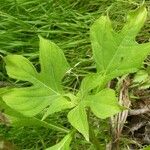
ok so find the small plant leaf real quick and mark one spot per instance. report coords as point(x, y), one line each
point(117, 53)
point(17, 119)
point(18, 67)
point(53, 64)
point(140, 77)
point(104, 104)
point(90, 82)
point(58, 105)
point(78, 119)
point(141, 80)
point(64, 144)
point(46, 86)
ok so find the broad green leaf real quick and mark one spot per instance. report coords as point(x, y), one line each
point(53, 64)
point(46, 86)
point(58, 105)
point(104, 104)
point(20, 68)
point(117, 53)
point(34, 122)
point(90, 82)
point(78, 119)
point(17, 119)
point(64, 144)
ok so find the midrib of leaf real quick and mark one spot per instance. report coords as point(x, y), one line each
point(116, 52)
point(103, 53)
point(31, 120)
point(54, 76)
point(63, 143)
point(49, 88)
point(81, 114)
point(49, 125)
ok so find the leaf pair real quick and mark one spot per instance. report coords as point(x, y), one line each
point(103, 104)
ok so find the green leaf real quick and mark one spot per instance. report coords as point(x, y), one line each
point(17, 119)
point(32, 121)
point(146, 148)
point(78, 119)
point(90, 82)
point(140, 77)
point(148, 69)
point(4, 90)
point(20, 68)
point(64, 144)
point(46, 86)
point(58, 105)
point(104, 104)
point(141, 80)
point(145, 85)
point(117, 53)
point(53, 64)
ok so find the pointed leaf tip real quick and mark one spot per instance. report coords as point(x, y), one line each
point(78, 119)
point(64, 144)
point(46, 85)
point(117, 53)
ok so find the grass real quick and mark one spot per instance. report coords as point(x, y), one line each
point(66, 22)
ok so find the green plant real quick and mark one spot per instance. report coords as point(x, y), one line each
point(115, 54)
point(146, 148)
point(142, 79)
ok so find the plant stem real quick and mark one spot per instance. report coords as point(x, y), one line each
point(93, 138)
point(52, 126)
